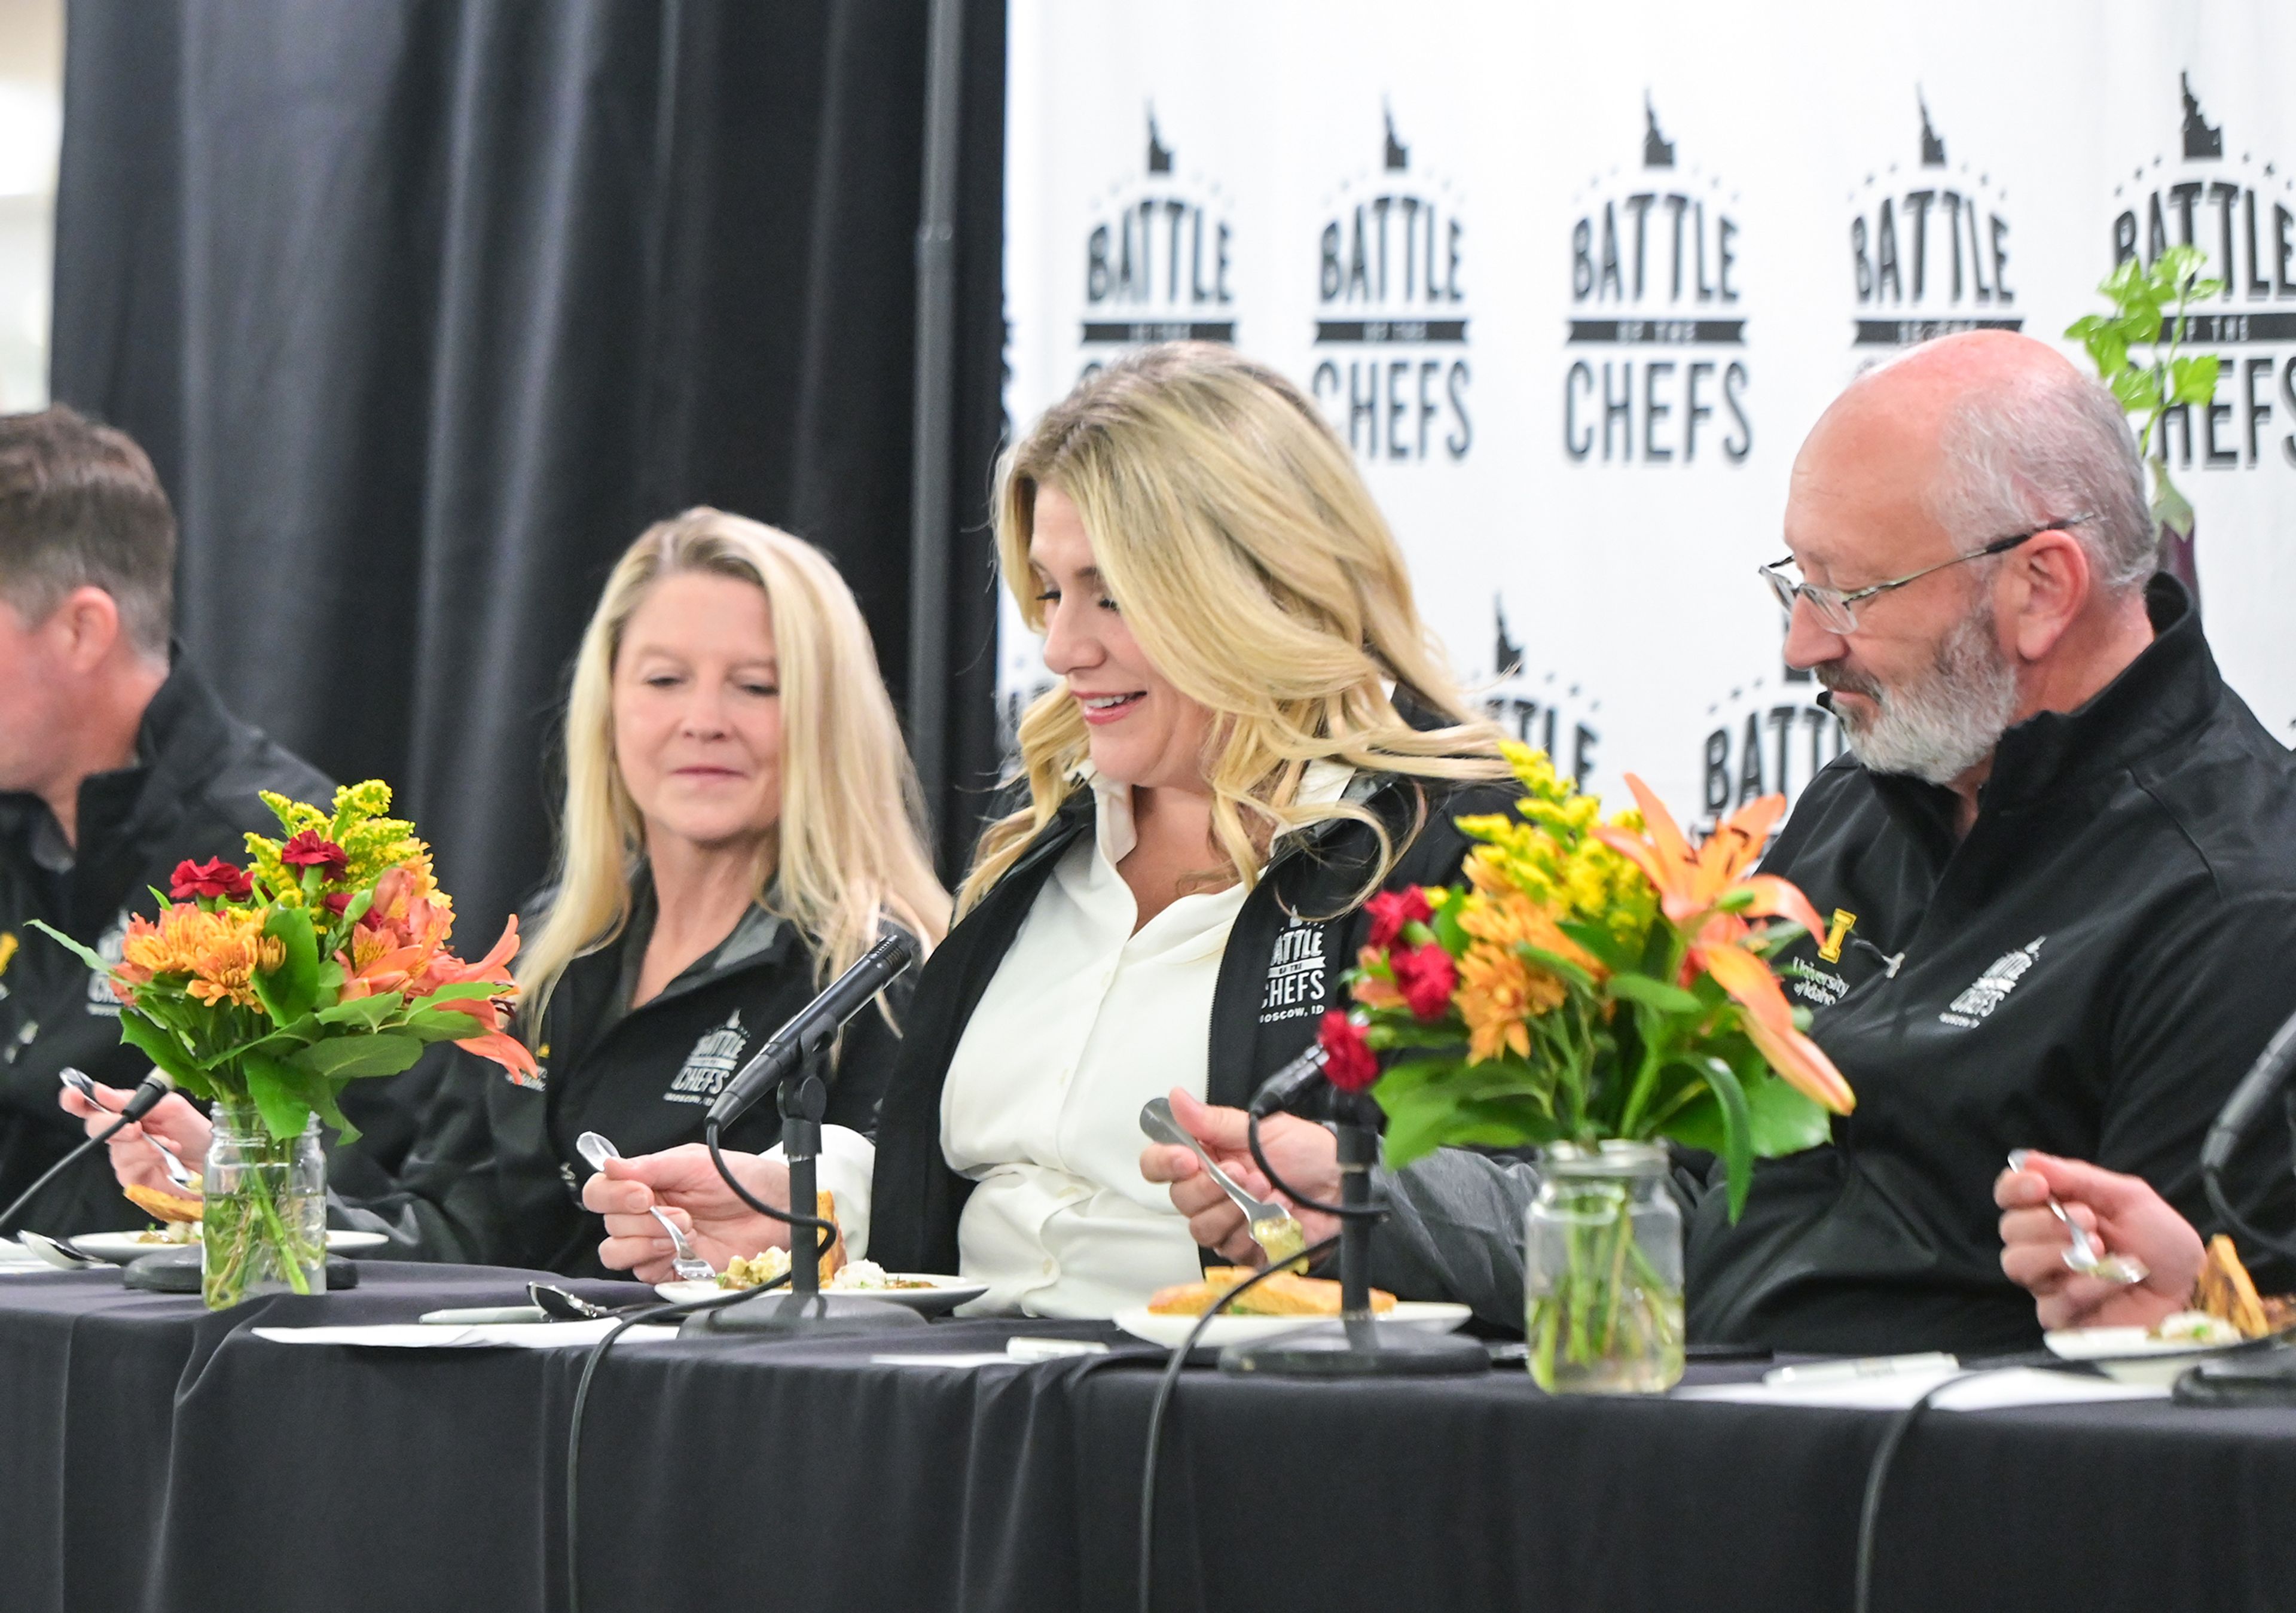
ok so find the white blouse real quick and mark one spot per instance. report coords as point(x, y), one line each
point(1083, 1022)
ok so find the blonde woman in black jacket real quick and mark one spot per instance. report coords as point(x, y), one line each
point(1249, 733)
point(739, 824)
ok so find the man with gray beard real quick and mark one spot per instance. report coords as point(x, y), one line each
point(2058, 865)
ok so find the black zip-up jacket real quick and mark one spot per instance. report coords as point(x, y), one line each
point(1297, 932)
point(2088, 972)
point(191, 793)
point(493, 1177)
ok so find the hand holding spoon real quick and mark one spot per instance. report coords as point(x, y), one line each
point(2084, 1257)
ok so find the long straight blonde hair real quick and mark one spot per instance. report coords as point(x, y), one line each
point(1253, 567)
point(849, 843)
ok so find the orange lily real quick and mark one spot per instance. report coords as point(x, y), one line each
point(1691, 885)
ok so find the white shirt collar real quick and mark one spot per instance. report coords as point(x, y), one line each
point(1322, 784)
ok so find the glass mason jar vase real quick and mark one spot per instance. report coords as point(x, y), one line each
point(1602, 1272)
point(264, 1227)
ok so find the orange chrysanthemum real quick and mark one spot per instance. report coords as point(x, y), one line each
point(1498, 993)
point(219, 952)
point(1507, 916)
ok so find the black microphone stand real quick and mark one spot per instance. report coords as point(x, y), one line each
point(804, 1309)
point(1356, 1344)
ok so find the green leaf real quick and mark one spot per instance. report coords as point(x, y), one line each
point(1737, 1131)
point(1655, 993)
point(444, 1025)
point(349, 1058)
point(1600, 943)
point(1782, 1119)
point(466, 991)
point(289, 991)
point(1553, 963)
point(273, 1088)
point(163, 1049)
point(84, 954)
point(1448, 936)
point(364, 1013)
point(2193, 379)
point(2137, 391)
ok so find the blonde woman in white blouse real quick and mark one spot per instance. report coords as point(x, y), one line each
point(1251, 732)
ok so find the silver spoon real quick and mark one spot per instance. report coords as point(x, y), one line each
point(690, 1267)
point(562, 1304)
point(56, 1255)
point(2084, 1257)
point(1273, 1227)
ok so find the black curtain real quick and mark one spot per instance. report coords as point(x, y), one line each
point(424, 308)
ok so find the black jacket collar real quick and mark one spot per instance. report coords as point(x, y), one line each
point(183, 736)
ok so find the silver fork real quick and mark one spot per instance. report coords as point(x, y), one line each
point(690, 1267)
point(2085, 1257)
point(1273, 1227)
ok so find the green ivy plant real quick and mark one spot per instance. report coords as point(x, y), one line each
point(2148, 311)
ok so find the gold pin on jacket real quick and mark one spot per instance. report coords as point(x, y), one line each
point(1837, 933)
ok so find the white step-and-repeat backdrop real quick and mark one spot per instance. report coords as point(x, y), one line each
point(1574, 283)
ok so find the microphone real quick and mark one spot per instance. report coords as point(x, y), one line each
point(2264, 1078)
point(147, 1095)
point(811, 1028)
point(1289, 1085)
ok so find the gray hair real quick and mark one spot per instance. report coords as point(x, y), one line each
point(80, 507)
point(2049, 446)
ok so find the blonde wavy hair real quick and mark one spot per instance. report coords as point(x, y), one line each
point(849, 846)
point(1252, 566)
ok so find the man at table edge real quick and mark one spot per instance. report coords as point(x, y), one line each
point(2022, 709)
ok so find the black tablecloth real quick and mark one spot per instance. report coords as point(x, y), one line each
point(153, 1456)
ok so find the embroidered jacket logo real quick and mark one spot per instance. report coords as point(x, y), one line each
point(715, 1057)
point(1993, 986)
point(1295, 973)
point(111, 946)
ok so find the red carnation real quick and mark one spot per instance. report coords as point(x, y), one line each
point(213, 877)
point(311, 850)
point(1348, 1062)
point(336, 901)
point(1426, 976)
point(1390, 910)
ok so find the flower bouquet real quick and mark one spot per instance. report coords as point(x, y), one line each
point(269, 988)
point(1592, 988)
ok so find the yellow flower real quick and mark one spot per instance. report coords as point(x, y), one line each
point(1498, 993)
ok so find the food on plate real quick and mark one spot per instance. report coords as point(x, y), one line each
point(861, 1275)
point(175, 1233)
point(167, 1206)
point(754, 1271)
point(758, 1268)
point(1286, 1294)
point(2227, 1293)
point(2196, 1328)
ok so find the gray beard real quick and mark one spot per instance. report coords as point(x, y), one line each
point(1942, 725)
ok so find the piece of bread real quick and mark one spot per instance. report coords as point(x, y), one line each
point(2226, 1290)
point(1286, 1294)
point(824, 1204)
point(164, 1206)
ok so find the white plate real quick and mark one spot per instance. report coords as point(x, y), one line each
point(121, 1247)
point(2159, 1362)
point(1427, 1316)
point(945, 1294)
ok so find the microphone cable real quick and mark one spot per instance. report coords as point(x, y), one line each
point(1370, 1212)
point(597, 1356)
point(146, 1097)
point(1877, 1471)
point(825, 1231)
point(1169, 1382)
